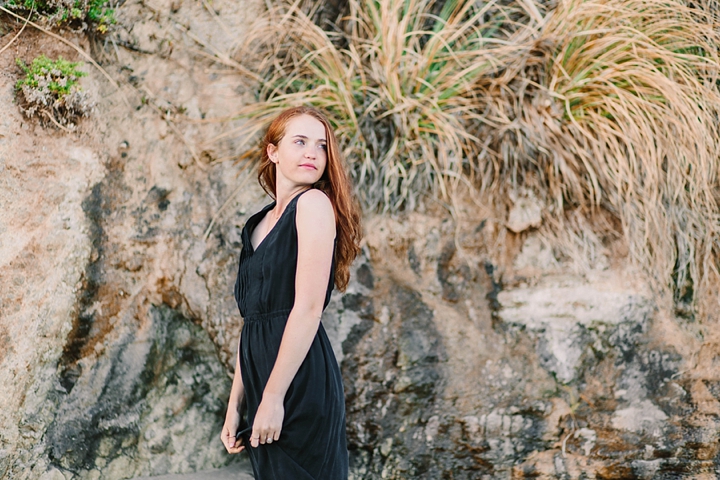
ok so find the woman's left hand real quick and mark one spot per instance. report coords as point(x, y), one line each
point(268, 421)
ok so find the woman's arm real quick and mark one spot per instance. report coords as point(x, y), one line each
point(232, 417)
point(315, 221)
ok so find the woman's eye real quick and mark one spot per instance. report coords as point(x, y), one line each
point(300, 141)
point(323, 147)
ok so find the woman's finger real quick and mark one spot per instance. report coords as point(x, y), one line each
point(236, 449)
point(264, 436)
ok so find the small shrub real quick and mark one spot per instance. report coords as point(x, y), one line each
point(84, 13)
point(50, 90)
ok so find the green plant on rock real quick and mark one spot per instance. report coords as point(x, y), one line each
point(51, 90)
point(96, 13)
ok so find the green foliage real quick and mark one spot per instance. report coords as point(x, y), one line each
point(95, 12)
point(60, 76)
point(50, 90)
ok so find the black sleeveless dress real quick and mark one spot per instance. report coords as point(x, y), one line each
point(312, 444)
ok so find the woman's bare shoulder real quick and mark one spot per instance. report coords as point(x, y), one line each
point(316, 201)
point(315, 211)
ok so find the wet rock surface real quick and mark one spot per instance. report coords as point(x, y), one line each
point(433, 391)
point(156, 395)
point(570, 377)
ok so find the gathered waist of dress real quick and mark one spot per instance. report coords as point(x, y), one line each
point(265, 316)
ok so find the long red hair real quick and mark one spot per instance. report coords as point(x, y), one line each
point(335, 183)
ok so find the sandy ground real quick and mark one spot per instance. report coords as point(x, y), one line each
point(238, 471)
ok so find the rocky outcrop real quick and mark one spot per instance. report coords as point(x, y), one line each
point(45, 245)
point(571, 318)
point(116, 318)
point(153, 403)
point(118, 251)
point(557, 376)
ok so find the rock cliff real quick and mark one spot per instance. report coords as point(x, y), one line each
point(559, 375)
point(118, 327)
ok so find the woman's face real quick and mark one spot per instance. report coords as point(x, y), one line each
point(301, 155)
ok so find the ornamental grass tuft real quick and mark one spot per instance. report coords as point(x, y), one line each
point(599, 109)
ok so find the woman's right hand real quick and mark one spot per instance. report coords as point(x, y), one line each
point(232, 417)
point(229, 430)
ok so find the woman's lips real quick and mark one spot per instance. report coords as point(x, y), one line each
point(308, 165)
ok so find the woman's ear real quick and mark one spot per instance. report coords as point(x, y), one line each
point(272, 152)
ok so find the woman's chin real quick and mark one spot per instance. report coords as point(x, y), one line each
point(308, 179)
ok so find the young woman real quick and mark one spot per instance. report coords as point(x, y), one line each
point(294, 251)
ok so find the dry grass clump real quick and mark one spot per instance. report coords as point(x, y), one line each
point(632, 127)
point(401, 81)
point(592, 105)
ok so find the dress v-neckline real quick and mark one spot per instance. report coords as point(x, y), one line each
point(274, 227)
point(262, 242)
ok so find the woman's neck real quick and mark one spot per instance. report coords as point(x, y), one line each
point(283, 196)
